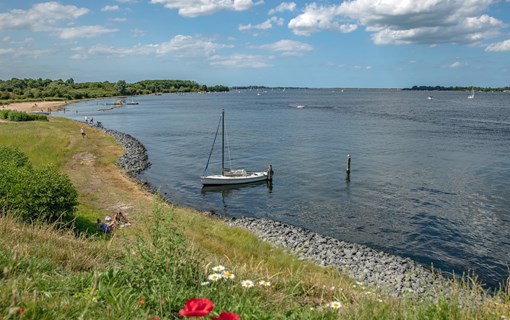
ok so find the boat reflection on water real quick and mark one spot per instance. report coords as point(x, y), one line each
point(227, 189)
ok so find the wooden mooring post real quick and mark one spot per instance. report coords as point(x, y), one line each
point(270, 173)
point(348, 168)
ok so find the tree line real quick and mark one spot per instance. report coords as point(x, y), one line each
point(47, 89)
point(457, 88)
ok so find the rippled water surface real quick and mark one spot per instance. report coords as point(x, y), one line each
point(430, 179)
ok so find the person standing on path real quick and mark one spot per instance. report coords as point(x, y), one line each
point(83, 133)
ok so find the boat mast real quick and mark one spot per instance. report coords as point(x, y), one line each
point(222, 142)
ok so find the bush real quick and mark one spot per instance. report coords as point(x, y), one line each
point(35, 194)
point(13, 115)
point(13, 157)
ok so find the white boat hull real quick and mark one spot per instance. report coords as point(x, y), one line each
point(219, 179)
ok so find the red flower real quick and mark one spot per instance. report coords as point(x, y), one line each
point(227, 316)
point(197, 307)
point(141, 302)
point(21, 310)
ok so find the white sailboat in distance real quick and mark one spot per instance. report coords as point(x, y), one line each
point(229, 176)
point(472, 95)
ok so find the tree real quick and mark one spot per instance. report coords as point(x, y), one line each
point(121, 86)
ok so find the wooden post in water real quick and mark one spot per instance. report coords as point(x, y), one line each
point(270, 173)
point(348, 168)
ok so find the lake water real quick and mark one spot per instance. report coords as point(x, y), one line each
point(430, 179)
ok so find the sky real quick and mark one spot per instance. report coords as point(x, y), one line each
point(318, 44)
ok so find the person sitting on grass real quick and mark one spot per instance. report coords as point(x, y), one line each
point(105, 227)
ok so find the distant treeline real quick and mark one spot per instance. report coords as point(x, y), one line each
point(441, 88)
point(46, 89)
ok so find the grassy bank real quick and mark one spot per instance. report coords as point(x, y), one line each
point(151, 268)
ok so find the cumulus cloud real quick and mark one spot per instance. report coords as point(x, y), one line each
point(455, 65)
point(110, 8)
point(426, 22)
point(288, 47)
point(317, 18)
point(499, 46)
point(268, 24)
point(23, 52)
point(284, 6)
point(195, 8)
point(83, 32)
point(41, 17)
point(179, 46)
point(240, 61)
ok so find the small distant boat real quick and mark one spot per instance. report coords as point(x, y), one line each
point(429, 98)
point(229, 176)
point(132, 102)
point(472, 95)
point(300, 107)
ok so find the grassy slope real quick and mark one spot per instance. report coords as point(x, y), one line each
point(103, 189)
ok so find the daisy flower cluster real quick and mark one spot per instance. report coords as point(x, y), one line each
point(221, 273)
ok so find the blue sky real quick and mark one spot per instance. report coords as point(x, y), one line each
point(357, 43)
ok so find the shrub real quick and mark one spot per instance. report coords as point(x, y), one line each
point(13, 115)
point(13, 156)
point(35, 194)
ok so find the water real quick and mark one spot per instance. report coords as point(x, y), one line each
point(430, 179)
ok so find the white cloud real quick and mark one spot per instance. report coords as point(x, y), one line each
point(288, 47)
point(23, 52)
point(240, 61)
point(179, 46)
point(83, 32)
point(137, 33)
point(41, 17)
point(284, 6)
point(455, 65)
point(317, 18)
point(499, 46)
point(195, 8)
point(425, 22)
point(268, 24)
point(110, 8)
point(118, 19)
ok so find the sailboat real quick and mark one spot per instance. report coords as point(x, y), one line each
point(472, 95)
point(229, 176)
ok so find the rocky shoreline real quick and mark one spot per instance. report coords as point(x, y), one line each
point(135, 158)
point(396, 275)
point(393, 274)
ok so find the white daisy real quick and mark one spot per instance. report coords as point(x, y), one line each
point(335, 304)
point(218, 268)
point(214, 277)
point(264, 283)
point(247, 283)
point(228, 275)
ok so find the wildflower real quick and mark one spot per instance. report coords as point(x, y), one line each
point(196, 307)
point(218, 268)
point(141, 302)
point(204, 283)
point(247, 283)
point(335, 304)
point(214, 277)
point(228, 275)
point(227, 316)
point(264, 283)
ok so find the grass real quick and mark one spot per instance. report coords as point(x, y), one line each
point(151, 268)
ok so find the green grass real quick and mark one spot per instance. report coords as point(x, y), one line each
point(165, 257)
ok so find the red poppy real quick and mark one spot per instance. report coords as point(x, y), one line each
point(141, 302)
point(227, 316)
point(21, 310)
point(197, 307)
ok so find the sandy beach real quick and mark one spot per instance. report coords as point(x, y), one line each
point(38, 106)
